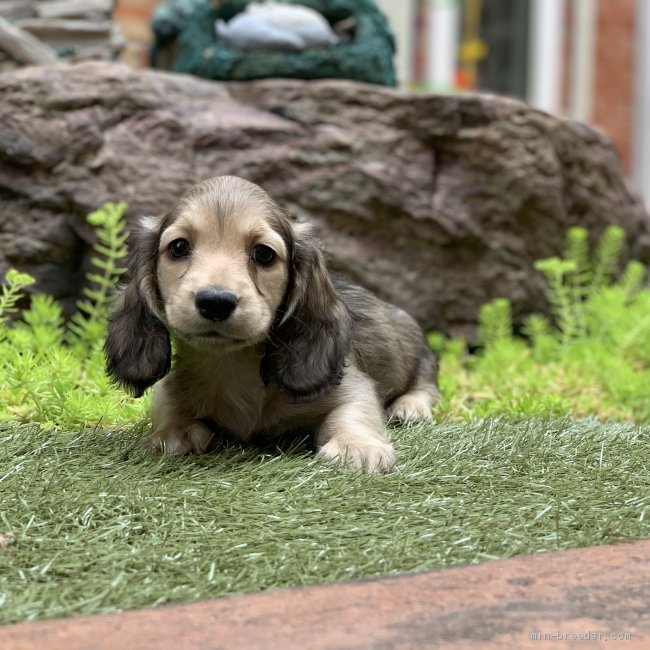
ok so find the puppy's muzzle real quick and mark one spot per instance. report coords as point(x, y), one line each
point(216, 303)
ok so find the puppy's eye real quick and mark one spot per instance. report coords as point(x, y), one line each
point(263, 255)
point(179, 248)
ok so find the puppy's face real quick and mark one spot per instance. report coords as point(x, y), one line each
point(222, 266)
point(225, 270)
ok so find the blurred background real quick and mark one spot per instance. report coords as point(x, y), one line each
point(584, 59)
point(587, 60)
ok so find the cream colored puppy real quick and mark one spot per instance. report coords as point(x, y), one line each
point(267, 341)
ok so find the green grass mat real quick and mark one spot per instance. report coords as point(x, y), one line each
point(101, 525)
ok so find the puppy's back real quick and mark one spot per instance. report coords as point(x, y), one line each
point(388, 344)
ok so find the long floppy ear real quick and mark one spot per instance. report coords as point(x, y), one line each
point(138, 350)
point(308, 345)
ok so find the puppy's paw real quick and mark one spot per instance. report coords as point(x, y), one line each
point(410, 407)
point(364, 453)
point(193, 438)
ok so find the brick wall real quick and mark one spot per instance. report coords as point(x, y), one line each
point(134, 18)
point(614, 73)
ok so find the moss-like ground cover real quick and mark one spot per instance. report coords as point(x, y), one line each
point(540, 443)
point(101, 525)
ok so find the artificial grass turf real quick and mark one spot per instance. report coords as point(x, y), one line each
point(102, 525)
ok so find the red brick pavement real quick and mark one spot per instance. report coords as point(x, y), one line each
point(589, 598)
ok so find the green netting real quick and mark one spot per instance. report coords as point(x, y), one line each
point(190, 23)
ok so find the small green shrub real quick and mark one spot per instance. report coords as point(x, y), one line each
point(12, 290)
point(87, 327)
point(52, 374)
point(592, 358)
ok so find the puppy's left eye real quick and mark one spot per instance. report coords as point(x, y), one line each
point(179, 248)
point(263, 255)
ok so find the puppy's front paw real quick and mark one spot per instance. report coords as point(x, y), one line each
point(193, 438)
point(410, 407)
point(360, 453)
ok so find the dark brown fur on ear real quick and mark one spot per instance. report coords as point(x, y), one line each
point(138, 349)
point(307, 348)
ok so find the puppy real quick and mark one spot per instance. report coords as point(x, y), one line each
point(266, 340)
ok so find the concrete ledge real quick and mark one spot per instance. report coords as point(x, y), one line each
point(596, 597)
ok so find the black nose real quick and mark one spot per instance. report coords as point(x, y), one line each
point(216, 303)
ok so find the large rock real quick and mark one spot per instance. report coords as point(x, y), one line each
point(437, 203)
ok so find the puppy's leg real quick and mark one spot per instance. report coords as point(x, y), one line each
point(353, 431)
point(173, 432)
point(416, 403)
point(414, 406)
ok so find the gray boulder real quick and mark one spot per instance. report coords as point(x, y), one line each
point(436, 203)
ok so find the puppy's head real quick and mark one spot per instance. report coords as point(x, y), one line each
point(225, 270)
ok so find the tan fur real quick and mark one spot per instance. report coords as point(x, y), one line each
point(222, 227)
point(299, 352)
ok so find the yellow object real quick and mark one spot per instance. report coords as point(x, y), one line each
point(472, 49)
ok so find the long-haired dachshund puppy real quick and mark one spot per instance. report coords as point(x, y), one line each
point(266, 340)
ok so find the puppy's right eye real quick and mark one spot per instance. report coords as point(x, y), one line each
point(179, 248)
